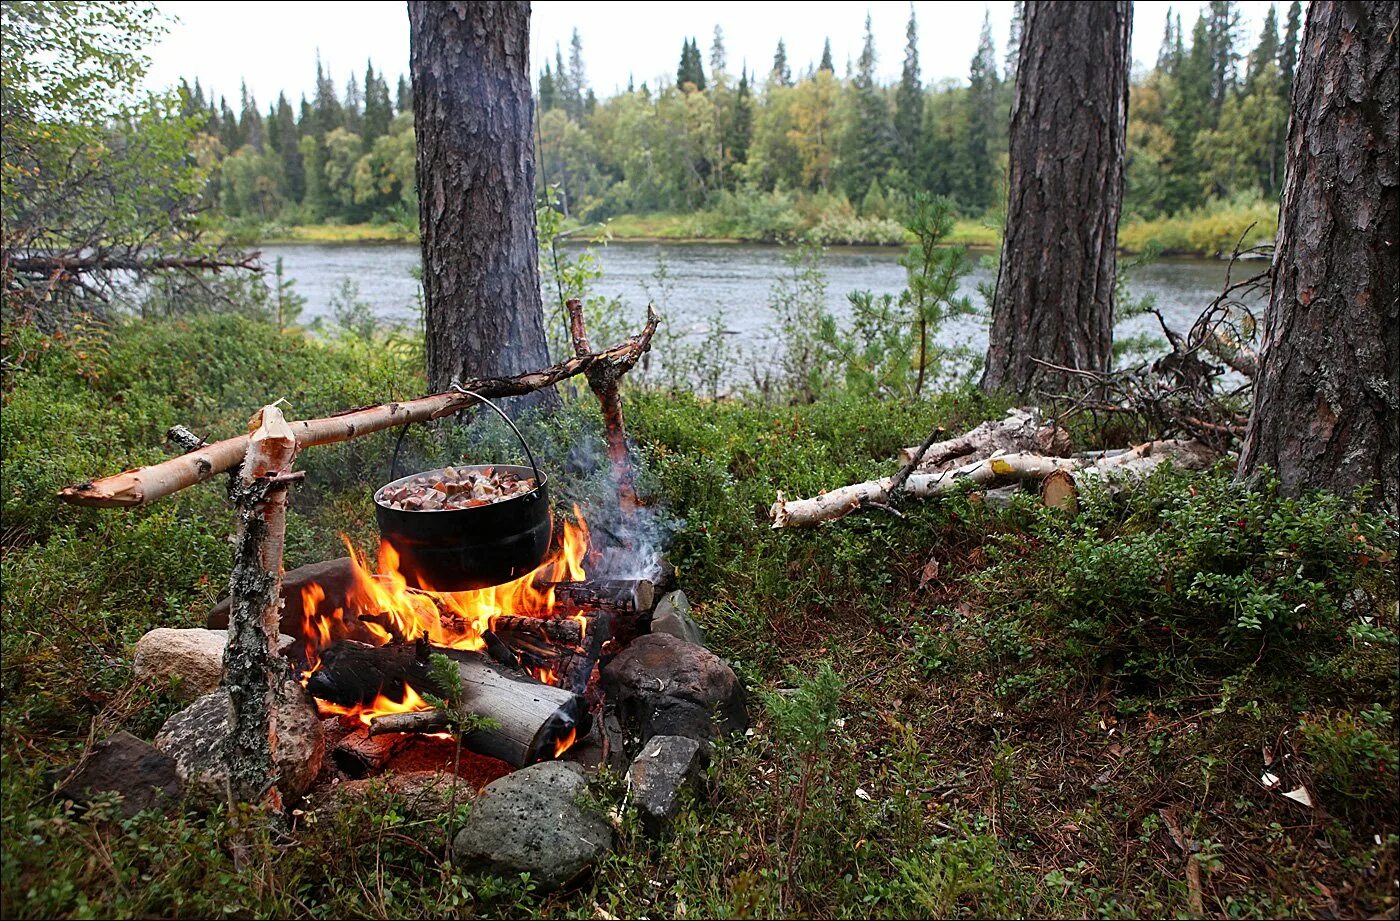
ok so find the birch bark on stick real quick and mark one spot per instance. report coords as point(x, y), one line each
point(146, 484)
point(251, 663)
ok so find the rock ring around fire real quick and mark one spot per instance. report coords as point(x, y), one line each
point(532, 822)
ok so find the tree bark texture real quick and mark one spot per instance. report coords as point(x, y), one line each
point(1054, 295)
point(1326, 396)
point(476, 186)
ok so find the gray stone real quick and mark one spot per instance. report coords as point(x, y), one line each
point(662, 685)
point(666, 766)
point(531, 822)
point(191, 660)
point(145, 777)
point(195, 736)
point(672, 616)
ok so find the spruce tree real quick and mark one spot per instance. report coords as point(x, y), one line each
point(983, 122)
point(562, 90)
point(354, 106)
point(909, 98)
point(578, 80)
point(250, 124)
point(1264, 58)
point(741, 122)
point(404, 96)
point(548, 93)
point(1013, 38)
point(379, 111)
point(826, 64)
point(781, 73)
point(718, 64)
point(326, 104)
point(1223, 23)
point(229, 134)
point(1287, 52)
point(1166, 55)
point(869, 137)
point(289, 149)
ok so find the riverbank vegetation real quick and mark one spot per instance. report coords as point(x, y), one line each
point(788, 154)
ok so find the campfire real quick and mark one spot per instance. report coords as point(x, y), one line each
point(527, 652)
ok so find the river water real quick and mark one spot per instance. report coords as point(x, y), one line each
point(696, 285)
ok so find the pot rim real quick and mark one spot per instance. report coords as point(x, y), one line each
point(540, 477)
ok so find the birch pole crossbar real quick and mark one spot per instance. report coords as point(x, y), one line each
point(147, 484)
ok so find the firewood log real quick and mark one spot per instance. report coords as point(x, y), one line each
point(1019, 433)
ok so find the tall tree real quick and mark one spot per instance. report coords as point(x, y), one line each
point(403, 97)
point(1054, 294)
point(1288, 51)
point(826, 64)
point(781, 73)
point(289, 149)
point(548, 96)
point(982, 123)
point(379, 111)
point(476, 178)
point(354, 105)
point(326, 104)
point(250, 123)
point(740, 132)
point(1013, 38)
point(1328, 387)
point(719, 62)
point(909, 97)
point(578, 79)
point(869, 138)
point(1221, 27)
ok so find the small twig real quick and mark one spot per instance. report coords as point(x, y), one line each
point(897, 483)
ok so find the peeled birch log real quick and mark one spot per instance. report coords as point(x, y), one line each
point(1069, 475)
point(1019, 433)
point(146, 484)
point(801, 513)
point(1121, 470)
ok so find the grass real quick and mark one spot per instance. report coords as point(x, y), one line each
point(1029, 711)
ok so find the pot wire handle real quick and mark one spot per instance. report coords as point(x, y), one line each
point(500, 412)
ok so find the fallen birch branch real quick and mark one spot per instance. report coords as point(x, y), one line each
point(1019, 433)
point(1071, 473)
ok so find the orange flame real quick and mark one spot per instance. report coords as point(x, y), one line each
point(387, 609)
point(380, 706)
point(566, 743)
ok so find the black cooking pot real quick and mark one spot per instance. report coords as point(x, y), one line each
point(456, 550)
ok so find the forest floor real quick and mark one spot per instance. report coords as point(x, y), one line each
point(1035, 715)
point(1209, 233)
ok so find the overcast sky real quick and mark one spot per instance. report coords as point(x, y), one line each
point(274, 45)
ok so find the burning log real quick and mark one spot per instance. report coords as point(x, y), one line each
point(363, 752)
point(622, 596)
point(1121, 469)
point(146, 484)
point(427, 721)
point(532, 719)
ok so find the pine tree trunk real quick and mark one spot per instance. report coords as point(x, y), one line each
point(476, 180)
point(1326, 397)
point(1054, 295)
